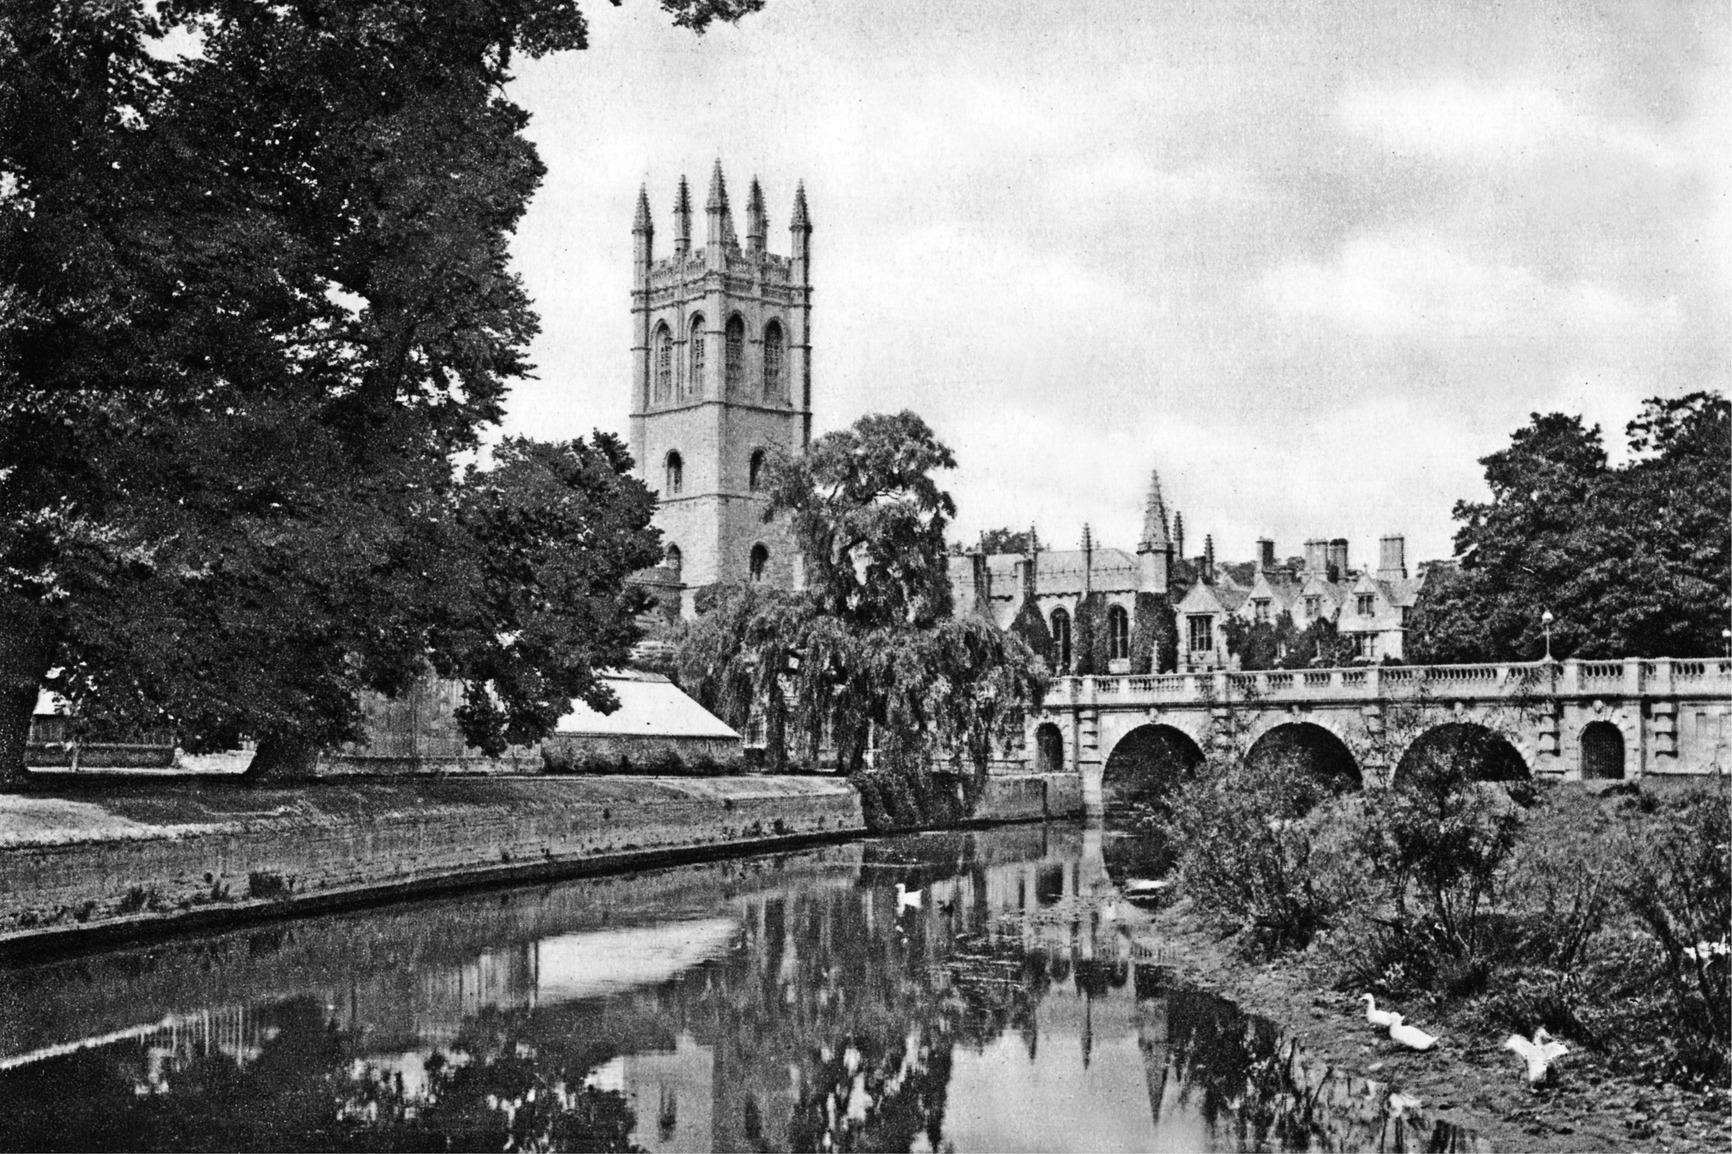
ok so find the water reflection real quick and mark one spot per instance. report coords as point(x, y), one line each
point(787, 1002)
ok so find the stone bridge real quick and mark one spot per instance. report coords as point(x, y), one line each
point(1570, 720)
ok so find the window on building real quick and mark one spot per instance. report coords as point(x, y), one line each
point(1367, 604)
point(774, 390)
point(734, 364)
point(1201, 627)
point(1061, 639)
point(1313, 605)
point(695, 354)
point(1404, 617)
point(1260, 609)
point(676, 475)
point(1365, 645)
point(673, 559)
point(755, 470)
point(1118, 633)
point(664, 383)
point(759, 562)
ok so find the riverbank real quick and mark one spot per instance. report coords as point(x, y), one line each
point(1470, 1080)
point(80, 865)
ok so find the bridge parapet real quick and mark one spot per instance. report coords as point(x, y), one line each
point(1629, 677)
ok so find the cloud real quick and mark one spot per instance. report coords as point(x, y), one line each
point(1451, 120)
point(1400, 288)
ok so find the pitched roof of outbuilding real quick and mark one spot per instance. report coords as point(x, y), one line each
point(649, 706)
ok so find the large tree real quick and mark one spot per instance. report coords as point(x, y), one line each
point(1631, 560)
point(254, 301)
point(869, 650)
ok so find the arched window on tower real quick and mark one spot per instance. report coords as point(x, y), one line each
point(695, 354)
point(673, 559)
point(735, 364)
point(1118, 633)
point(755, 471)
point(676, 479)
point(1061, 640)
point(774, 388)
point(760, 561)
point(664, 382)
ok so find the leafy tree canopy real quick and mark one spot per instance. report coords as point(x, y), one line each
point(995, 541)
point(1631, 560)
point(254, 299)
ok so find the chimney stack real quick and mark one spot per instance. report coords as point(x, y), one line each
point(982, 583)
point(1031, 566)
point(1317, 557)
point(1392, 558)
point(1208, 575)
point(1265, 554)
point(1338, 557)
point(1179, 536)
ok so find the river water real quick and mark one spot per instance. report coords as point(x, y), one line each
point(1010, 999)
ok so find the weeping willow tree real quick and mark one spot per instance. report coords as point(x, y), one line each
point(869, 653)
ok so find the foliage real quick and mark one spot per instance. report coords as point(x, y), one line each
point(891, 801)
point(1030, 625)
point(1088, 636)
point(1261, 854)
point(870, 654)
point(1261, 644)
point(1318, 644)
point(1631, 560)
point(994, 541)
point(1154, 635)
point(254, 301)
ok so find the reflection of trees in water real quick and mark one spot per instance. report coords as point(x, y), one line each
point(304, 1088)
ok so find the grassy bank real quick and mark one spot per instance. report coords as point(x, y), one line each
point(1480, 910)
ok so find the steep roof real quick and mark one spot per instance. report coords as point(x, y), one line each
point(649, 706)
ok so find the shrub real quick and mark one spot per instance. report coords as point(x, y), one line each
point(1262, 856)
point(1680, 889)
point(664, 763)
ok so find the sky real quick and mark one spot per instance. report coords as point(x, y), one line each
point(1310, 261)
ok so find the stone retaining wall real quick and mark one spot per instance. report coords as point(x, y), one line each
point(129, 856)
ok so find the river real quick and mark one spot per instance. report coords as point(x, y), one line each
point(1009, 998)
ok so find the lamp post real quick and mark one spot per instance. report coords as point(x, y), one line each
point(1546, 620)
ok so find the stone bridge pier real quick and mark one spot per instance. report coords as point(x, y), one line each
point(1633, 719)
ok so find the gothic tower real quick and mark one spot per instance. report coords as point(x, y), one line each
point(721, 378)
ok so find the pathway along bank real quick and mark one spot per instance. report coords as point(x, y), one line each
point(81, 866)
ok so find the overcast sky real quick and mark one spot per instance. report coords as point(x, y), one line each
point(1310, 261)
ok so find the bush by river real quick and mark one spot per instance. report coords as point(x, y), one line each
point(1481, 909)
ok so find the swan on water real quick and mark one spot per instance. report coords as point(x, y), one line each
point(1412, 1037)
point(1145, 885)
point(1376, 1016)
point(1538, 1053)
point(907, 899)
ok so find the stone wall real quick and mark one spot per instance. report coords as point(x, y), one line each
point(1030, 797)
point(133, 855)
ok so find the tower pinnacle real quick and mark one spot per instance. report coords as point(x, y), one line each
point(755, 227)
point(718, 200)
point(1154, 518)
point(683, 218)
point(801, 222)
point(641, 221)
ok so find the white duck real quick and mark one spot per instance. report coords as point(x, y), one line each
point(1135, 886)
point(1376, 1016)
point(907, 899)
point(1412, 1037)
point(1538, 1054)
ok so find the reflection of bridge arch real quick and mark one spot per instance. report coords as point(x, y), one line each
point(1491, 756)
point(1317, 748)
point(1147, 764)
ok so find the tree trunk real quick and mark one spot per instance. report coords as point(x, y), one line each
point(282, 757)
point(26, 649)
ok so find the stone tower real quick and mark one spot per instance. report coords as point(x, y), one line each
point(721, 379)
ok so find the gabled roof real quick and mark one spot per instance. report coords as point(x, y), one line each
point(1277, 587)
point(1204, 598)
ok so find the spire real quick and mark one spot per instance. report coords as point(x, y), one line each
point(801, 222)
point(683, 217)
point(641, 222)
point(720, 228)
point(1179, 535)
point(718, 201)
point(755, 225)
point(1154, 518)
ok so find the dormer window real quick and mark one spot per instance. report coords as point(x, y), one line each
point(1313, 605)
point(1367, 604)
point(1260, 610)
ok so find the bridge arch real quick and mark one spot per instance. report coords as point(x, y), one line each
point(1490, 756)
point(1147, 764)
point(1317, 748)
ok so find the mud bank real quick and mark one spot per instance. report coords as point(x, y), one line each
point(1469, 1081)
point(78, 865)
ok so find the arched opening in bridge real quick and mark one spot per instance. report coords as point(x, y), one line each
point(1146, 767)
point(1460, 749)
point(1311, 749)
point(1048, 748)
point(1602, 752)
